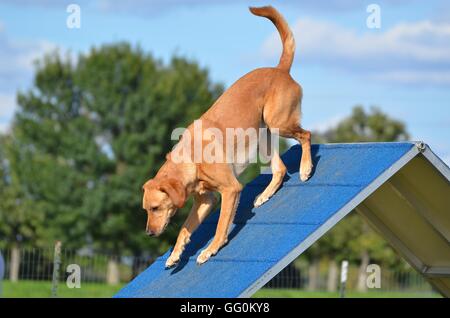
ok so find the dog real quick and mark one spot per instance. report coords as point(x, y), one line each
point(265, 97)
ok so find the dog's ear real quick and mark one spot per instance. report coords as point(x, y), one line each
point(175, 190)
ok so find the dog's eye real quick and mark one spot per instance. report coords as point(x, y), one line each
point(154, 208)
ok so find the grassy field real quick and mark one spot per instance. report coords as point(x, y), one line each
point(293, 293)
point(26, 289)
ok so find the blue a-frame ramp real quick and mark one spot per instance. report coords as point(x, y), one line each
point(402, 189)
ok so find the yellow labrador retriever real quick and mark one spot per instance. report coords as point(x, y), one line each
point(266, 97)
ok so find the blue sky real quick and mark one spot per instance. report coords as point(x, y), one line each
point(403, 67)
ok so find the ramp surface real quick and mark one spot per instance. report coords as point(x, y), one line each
point(266, 239)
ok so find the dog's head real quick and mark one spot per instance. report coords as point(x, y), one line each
point(161, 200)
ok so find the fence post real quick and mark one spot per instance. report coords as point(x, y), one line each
point(344, 271)
point(112, 271)
point(56, 266)
point(14, 266)
point(332, 279)
point(2, 272)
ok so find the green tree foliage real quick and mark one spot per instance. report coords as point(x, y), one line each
point(352, 237)
point(362, 126)
point(88, 135)
point(20, 223)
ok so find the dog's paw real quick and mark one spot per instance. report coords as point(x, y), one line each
point(204, 256)
point(305, 171)
point(172, 260)
point(260, 200)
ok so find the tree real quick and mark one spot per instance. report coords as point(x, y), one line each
point(352, 239)
point(20, 225)
point(361, 126)
point(89, 134)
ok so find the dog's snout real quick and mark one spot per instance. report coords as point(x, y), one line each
point(149, 232)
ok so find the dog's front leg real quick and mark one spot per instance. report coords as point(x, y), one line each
point(203, 203)
point(230, 200)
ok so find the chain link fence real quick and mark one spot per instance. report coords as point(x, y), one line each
point(38, 264)
point(30, 272)
point(325, 277)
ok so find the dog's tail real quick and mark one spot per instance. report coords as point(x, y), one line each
point(285, 33)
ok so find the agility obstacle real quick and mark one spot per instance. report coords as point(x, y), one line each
point(401, 189)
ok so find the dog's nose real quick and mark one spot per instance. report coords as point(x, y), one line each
point(150, 233)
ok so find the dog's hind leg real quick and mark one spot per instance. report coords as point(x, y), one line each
point(203, 203)
point(278, 173)
point(304, 138)
point(282, 112)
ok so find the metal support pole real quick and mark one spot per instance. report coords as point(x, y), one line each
point(56, 267)
point(344, 271)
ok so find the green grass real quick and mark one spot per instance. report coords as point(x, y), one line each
point(293, 293)
point(38, 289)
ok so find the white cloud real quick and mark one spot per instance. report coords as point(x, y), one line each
point(146, 8)
point(4, 127)
point(16, 70)
point(408, 53)
point(17, 57)
point(415, 77)
point(7, 109)
point(7, 105)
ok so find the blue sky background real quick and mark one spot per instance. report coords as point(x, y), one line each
point(403, 67)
